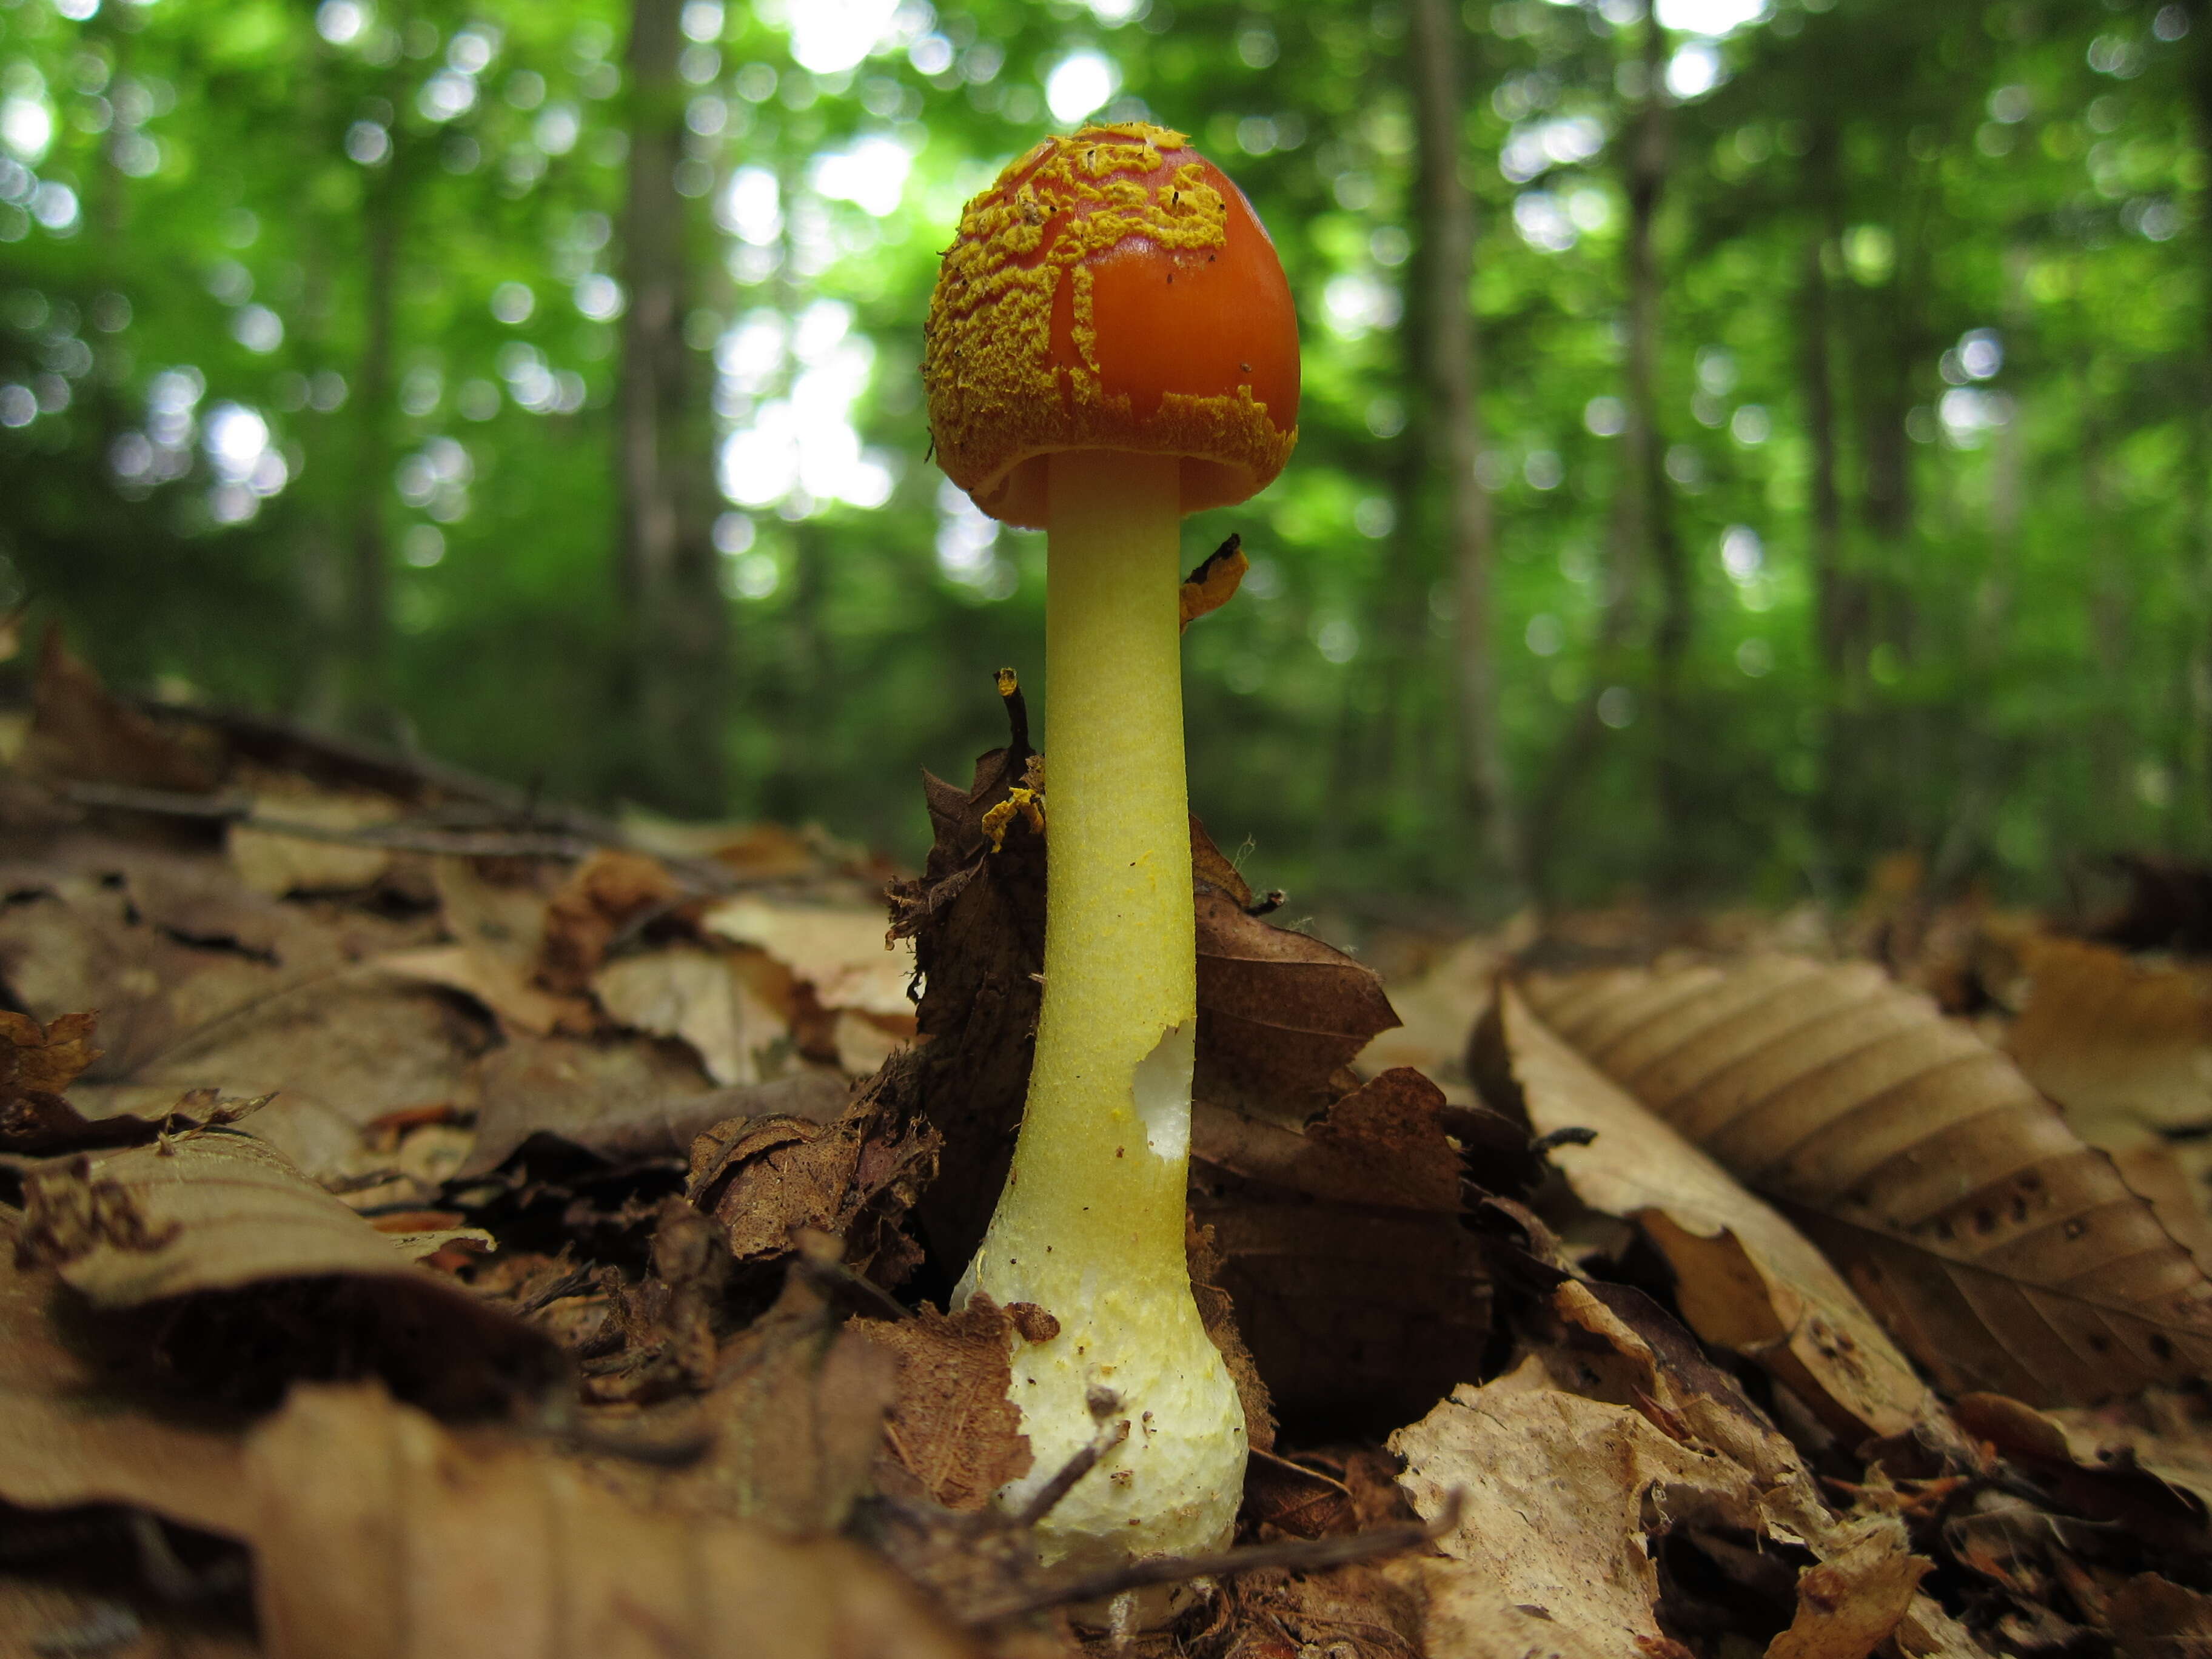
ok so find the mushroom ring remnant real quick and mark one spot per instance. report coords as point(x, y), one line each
point(1112, 345)
point(1113, 291)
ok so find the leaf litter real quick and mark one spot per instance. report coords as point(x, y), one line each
point(474, 1225)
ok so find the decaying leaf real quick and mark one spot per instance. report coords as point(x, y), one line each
point(1577, 1464)
point(2127, 1050)
point(73, 1430)
point(79, 731)
point(275, 864)
point(1745, 1278)
point(839, 954)
point(620, 1100)
point(1359, 1292)
point(1279, 1011)
point(183, 1221)
point(703, 997)
point(607, 893)
point(765, 1179)
point(2001, 1251)
point(1215, 583)
point(379, 1536)
point(954, 1430)
point(493, 980)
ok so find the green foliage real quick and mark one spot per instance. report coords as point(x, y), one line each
point(1992, 649)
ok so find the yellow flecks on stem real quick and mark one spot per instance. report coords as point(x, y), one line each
point(1215, 583)
point(995, 392)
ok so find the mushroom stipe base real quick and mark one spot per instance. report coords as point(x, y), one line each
point(1090, 1225)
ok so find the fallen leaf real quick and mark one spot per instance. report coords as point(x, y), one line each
point(1279, 1011)
point(1356, 1289)
point(767, 1178)
point(703, 997)
point(221, 1211)
point(1215, 583)
point(2125, 1050)
point(796, 1413)
point(840, 954)
point(78, 1428)
point(276, 865)
point(79, 731)
point(2002, 1252)
point(493, 980)
point(623, 1101)
point(2149, 1614)
point(1745, 1278)
point(606, 893)
point(377, 1535)
point(1575, 1466)
point(953, 1429)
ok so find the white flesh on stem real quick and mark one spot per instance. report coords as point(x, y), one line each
point(1090, 1224)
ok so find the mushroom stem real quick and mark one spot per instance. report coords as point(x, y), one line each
point(1090, 1225)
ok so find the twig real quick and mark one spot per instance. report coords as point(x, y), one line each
point(1042, 1501)
point(1296, 1555)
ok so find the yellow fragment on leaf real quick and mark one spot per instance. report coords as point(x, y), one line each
point(1019, 803)
point(1215, 583)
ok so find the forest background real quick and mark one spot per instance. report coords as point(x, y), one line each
point(1741, 441)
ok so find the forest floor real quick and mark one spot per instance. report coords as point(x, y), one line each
point(440, 1223)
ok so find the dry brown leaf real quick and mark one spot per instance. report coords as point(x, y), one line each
point(705, 998)
point(954, 1430)
point(1563, 1498)
point(379, 1536)
point(221, 1211)
point(275, 864)
point(2126, 1050)
point(796, 1415)
point(1215, 582)
point(493, 980)
point(1745, 1278)
point(840, 953)
point(74, 1431)
point(2144, 1466)
point(622, 1100)
point(765, 1179)
point(1357, 1291)
point(1278, 1011)
point(41, 1620)
point(1575, 1465)
point(2000, 1250)
point(606, 894)
point(2151, 1615)
point(78, 731)
point(37, 1063)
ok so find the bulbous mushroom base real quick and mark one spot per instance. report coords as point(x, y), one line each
point(1136, 1354)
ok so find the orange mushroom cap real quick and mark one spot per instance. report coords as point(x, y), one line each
point(1112, 290)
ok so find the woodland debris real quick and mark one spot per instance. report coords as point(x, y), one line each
point(1745, 1279)
point(1956, 1200)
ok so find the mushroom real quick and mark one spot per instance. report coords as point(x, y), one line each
point(1110, 346)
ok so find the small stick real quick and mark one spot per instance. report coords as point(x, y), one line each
point(1297, 1555)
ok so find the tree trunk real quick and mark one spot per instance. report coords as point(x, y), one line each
point(1453, 429)
point(367, 699)
point(1642, 529)
point(678, 655)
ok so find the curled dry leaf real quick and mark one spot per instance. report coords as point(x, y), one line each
point(610, 891)
point(764, 1179)
point(706, 999)
point(954, 1431)
point(1575, 1466)
point(1359, 1292)
point(37, 1063)
point(2127, 1050)
point(1279, 1011)
point(378, 1535)
point(220, 1212)
point(273, 864)
point(1745, 1278)
point(79, 731)
point(840, 954)
point(74, 1431)
point(2001, 1251)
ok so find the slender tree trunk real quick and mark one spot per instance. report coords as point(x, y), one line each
point(2199, 83)
point(368, 592)
point(1640, 533)
point(679, 620)
point(1816, 374)
point(1454, 428)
